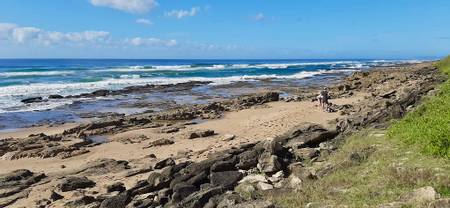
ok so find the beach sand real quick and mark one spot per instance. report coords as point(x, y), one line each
point(249, 125)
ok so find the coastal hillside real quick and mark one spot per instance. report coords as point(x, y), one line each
point(403, 165)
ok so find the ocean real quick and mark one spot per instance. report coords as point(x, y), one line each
point(25, 78)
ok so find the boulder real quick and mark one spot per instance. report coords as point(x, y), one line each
point(254, 178)
point(224, 165)
point(269, 163)
point(264, 186)
point(73, 183)
point(226, 179)
point(248, 159)
point(164, 163)
point(306, 135)
point(119, 201)
point(306, 153)
point(200, 198)
point(182, 190)
point(158, 181)
point(118, 186)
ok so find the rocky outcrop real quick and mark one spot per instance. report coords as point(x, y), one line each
point(208, 183)
point(40, 145)
point(16, 185)
point(392, 93)
point(32, 100)
point(200, 133)
point(153, 120)
point(73, 183)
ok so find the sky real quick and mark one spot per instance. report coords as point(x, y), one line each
point(225, 29)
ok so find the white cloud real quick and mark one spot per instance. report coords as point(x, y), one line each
point(31, 35)
point(183, 13)
point(23, 35)
point(144, 21)
point(259, 17)
point(132, 6)
point(138, 41)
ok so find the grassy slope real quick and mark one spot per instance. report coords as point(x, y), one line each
point(429, 125)
point(394, 168)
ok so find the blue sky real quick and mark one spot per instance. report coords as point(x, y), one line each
point(224, 29)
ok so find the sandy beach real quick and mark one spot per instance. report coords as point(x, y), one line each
point(249, 125)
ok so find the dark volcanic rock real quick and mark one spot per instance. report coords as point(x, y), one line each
point(73, 183)
point(224, 165)
point(248, 159)
point(55, 97)
point(82, 201)
point(306, 135)
point(226, 179)
point(164, 163)
point(182, 190)
point(200, 198)
point(32, 100)
point(15, 185)
point(101, 93)
point(119, 201)
point(55, 196)
point(118, 186)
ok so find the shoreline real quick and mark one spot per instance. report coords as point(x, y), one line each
point(144, 97)
point(250, 119)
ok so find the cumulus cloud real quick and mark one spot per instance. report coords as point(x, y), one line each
point(144, 21)
point(259, 17)
point(179, 14)
point(139, 41)
point(17, 34)
point(132, 6)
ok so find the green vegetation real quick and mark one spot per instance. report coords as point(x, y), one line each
point(388, 170)
point(429, 124)
point(412, 153)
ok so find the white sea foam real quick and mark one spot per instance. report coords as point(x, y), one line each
point(221, 66)
point(39, 89)
point(35, 73)
point(134, 76)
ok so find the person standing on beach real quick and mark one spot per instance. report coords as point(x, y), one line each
point(323, 98)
